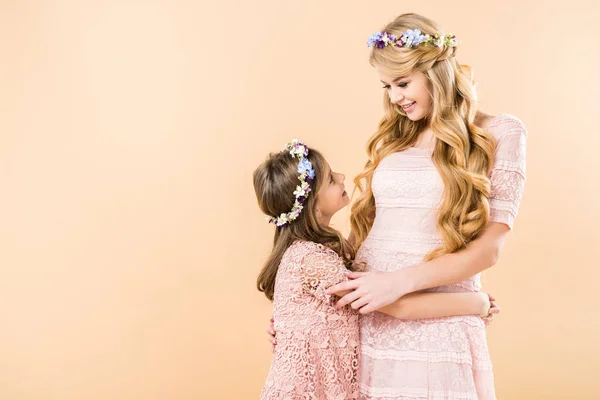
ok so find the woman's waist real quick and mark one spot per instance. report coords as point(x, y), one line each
point(405, 237)
point(389, 324)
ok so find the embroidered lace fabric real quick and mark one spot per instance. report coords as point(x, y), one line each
point(317, 352)
point(441, 358)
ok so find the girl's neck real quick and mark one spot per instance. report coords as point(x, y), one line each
point(325, 221)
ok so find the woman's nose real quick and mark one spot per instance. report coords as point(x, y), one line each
point(396, 96)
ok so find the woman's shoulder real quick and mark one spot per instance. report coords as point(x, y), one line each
point(500, 125)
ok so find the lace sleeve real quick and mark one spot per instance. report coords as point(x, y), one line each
point(321, 269)
point(508, 173)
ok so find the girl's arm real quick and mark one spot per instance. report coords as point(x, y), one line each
point(435, 305)
point(370, 291)
point(373, 290)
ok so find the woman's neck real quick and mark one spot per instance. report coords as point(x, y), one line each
point(426, 139)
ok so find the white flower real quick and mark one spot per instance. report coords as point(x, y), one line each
point(301, 189)
point(282, 220)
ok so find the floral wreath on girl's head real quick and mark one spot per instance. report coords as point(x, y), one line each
point(297, 150)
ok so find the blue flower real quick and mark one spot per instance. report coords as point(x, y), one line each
point(310, 174)
point(304, 166)
point(413, 37)
point(376, 37)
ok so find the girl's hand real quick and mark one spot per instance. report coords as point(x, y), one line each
point(369, 290)
point(494, 309)
point(271, 332)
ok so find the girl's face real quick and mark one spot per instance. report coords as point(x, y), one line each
point(410, 92)
point(332, 195)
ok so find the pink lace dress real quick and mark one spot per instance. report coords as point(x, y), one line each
point(440, 358)
point(317, 352)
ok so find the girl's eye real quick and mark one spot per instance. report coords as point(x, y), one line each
point(330, 178)
point(387, 87)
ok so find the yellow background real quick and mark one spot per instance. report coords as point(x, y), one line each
point(130, 238)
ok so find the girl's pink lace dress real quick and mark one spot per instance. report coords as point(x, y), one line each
point(317, 353)
point(442, 358)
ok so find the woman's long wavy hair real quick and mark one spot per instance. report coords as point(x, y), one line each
point(463, 152)
point(275, 181)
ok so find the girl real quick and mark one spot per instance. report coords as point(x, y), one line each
point(438, 196)
point(317, 354)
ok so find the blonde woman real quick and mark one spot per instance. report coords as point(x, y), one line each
point(438, 196)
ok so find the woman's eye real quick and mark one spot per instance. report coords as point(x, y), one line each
point(401, 85)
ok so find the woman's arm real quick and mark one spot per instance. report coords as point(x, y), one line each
point(480, 254)
point(374, 290)
point(435, 305)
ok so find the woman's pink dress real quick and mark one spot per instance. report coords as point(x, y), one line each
point(441, 358)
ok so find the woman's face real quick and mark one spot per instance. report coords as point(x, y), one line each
point(411, 92)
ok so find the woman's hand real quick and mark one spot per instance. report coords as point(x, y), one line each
point(271, 332)
point(370, 290)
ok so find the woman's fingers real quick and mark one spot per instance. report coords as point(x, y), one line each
point(359, 303)
point(348, 285)
point(347, 299)
point(354, 274)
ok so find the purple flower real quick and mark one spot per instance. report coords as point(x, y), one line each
point(374, 38)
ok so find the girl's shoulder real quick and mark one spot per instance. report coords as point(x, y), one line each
point(306, 247)
point(303, 252)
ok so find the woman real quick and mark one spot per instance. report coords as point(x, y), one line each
point(438, 197)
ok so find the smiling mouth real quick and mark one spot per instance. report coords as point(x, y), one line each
point(408, 105)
